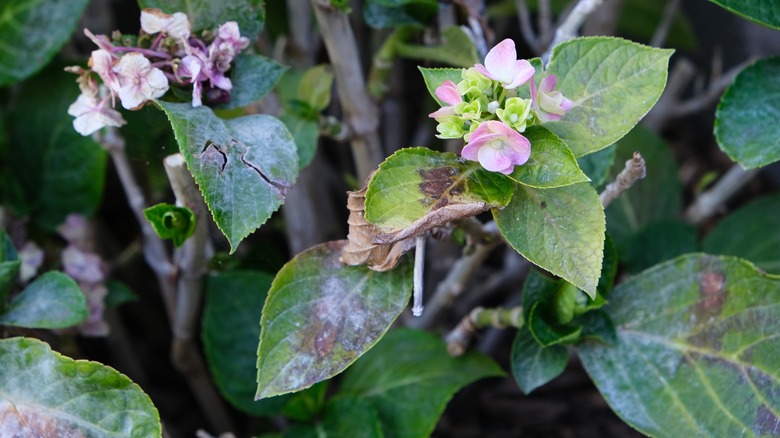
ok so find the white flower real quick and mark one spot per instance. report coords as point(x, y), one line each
point(92, 114)
point(102, 63)
point(139, 81)
point(155, 20)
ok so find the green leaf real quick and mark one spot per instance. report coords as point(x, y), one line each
point(171, 222)
point(383, 14)
point(206, 14)
point(48, 394)
point(612, 83)
point(658, 242)
point(231, 327)
point(253, 76)
point(304, 405)
point(761, 12)
point(609, 266)
point(746, 120)
point(244, 166)
point(320, 316)
point(560, 230)
point(417, 187)
point(457, 49)
point(59, 170)
point(534, 365)
point(9, 268)
point(343, 417)
point(52, 301)
point(434, 77)
point(409, 377)
point(596, 165)
point(598, 326)
point(750, 232)
point(656, 197)
point(551, 163)
point(305, 133)
point(32, 32)
point(315, 87)
point(548, 334)
point(696, 352)
point(118, 293)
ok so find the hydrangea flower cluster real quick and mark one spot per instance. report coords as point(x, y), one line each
point(165, 54)
point(485, 110)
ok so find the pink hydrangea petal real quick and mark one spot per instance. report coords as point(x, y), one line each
point(566, 104)
point(480, 139)
point(493, 159)
point(447, 92)
point(443, 111)
point(548, 84)
point(500, 61)
point(481, 68)
point(470, 152)
point(523, 71)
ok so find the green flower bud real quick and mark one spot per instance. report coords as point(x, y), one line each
point(516, 113)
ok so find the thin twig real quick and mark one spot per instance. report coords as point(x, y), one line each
point(544, 21)
point(526, 29)
point(605, 22)
point(192, 262)
point(670, 11)
point(709, 202)
point(459, 338)
point(634, 171)
point(571, 25)
point(360, 112)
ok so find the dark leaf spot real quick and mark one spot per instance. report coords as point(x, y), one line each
point(713, 292)
point(214, 152)
point(544, 205)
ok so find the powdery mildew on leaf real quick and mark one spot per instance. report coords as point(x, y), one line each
point(244, 166)
point(697, 352)
point(321, 315)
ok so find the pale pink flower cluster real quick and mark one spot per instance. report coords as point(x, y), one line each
point(167, 55)
point(485, 110)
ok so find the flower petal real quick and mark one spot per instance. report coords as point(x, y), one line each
point(447, 92)
point(500, 61)
point(493, 159)
point(523, 71)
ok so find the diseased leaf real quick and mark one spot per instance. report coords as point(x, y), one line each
point(252, 76)
point(560, 230)
point(534, 365)
point(416, 189)
point(612, 83)
point(362, 249)
point(206, 14)
point(697, 350)
point(52, 301)
point(746, 120)
point(231, 327)
point(750, 232)
point(171, 222)
point(244, 166)
point(321, 315)
point(48, 394)
point(409, 377)
point(32, 32)
point(761, 12)
point(551, 163)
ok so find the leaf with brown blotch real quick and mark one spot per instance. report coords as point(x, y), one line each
point(362, 248)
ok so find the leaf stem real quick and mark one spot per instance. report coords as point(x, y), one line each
point(501, 317)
